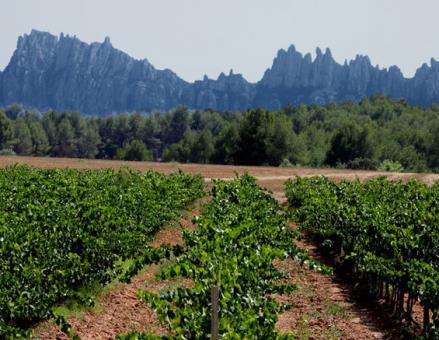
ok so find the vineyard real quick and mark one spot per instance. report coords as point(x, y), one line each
point(62, 231)
point(384, 233)
point(65, 229)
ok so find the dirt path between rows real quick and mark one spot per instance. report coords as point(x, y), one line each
point(323, 307)
point(120, 311)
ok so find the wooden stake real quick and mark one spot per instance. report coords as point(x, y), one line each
point(426, 318)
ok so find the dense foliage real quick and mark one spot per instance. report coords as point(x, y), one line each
point(64, 229)
point(135, 150)
point(239, 234)
point(358, 136)
point(385, 233)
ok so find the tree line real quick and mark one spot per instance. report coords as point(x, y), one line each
point(375, 132)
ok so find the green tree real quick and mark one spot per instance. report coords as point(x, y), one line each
point(88, 142)
point(40, 143)
point(136, 150)
point(195, 147)
point(6, 131)
point(264, 138)
point(65, 140)
point(202, 149)
point(226, 145)
point(433, 152)
point(298, 153)
point(348, 143)
point(121, 130)
point(411, 159)
point(280, 141)
point(49, 122)
point(178, 125)
point(23, 138)
point(136, 127)
point(253, 133)
point(174, 153)
point(316, 146)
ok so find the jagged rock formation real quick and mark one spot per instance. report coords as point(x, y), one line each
point(63, 73)
point(66, 74)
point(227, 93)
point(297, 79)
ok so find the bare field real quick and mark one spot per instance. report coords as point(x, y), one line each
point(270, 177)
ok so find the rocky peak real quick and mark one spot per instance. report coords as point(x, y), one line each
point(319, 53)
point(227, 92)
point(64, 73)
point(37, 45)
point(297, 79)
point(395, 70)
point(67, 74)
point(328, 53)
point(434, 64)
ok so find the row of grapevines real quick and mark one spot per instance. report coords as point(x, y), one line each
point(63, 229)
point(385, 232)
point(239, 234)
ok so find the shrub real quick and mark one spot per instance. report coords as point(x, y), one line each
point(388, 165)
point(7, 152)
point(286, 163)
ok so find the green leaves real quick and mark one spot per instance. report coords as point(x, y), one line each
point(63, 229)
point(384, 231)
point(239, 234)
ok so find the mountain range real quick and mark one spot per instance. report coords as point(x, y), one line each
point(65, 74)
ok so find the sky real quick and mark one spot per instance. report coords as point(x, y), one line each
point(197, 37)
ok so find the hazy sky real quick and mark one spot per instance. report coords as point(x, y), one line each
point(194, 37)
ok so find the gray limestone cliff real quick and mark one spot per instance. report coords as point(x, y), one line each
point(227, 93)
point(63, 73)
point(47, 72)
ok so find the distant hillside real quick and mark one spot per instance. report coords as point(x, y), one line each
point(63, 73)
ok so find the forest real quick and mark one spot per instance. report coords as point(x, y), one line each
point(376, 133)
